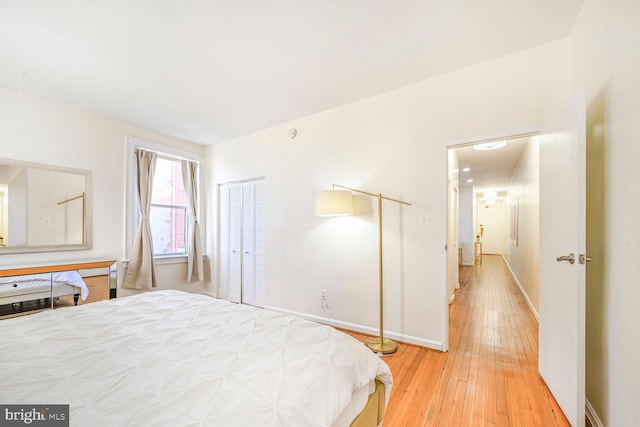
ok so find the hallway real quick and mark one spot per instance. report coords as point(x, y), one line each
point(489, 376)
point(493, 359)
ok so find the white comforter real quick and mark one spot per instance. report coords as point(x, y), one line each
point(43, 280)
point(169, 358)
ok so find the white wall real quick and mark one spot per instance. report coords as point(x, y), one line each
point(47, 222)
point(17, 209)
point(394, 143)
point(523, 259)
point(3, 212)
point(452, 225)
point(40, 131)
point(606, 63)
point(466, 235)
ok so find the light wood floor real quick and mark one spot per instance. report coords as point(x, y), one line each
point(489, 376)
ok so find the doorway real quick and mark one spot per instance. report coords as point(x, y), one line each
point(494, 178)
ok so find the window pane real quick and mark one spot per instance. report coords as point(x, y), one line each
point(168, 230)
point(168, 188)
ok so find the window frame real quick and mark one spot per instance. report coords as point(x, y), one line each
point(131, 202)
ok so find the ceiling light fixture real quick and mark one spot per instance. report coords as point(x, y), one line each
point(490, 145)
point(466, 169)
point(469, 180)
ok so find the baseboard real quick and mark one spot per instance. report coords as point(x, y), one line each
point(435, 345)
point(522, 291)
point(592, 416)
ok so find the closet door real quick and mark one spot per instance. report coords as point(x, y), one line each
point(235, 243)
point(242, 242)
point(248, 244)
point(260, 295)
point(230, 209)
point(253, 247)
point(223, 249)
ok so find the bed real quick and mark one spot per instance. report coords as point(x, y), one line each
point(171, 358)
point(27, 287)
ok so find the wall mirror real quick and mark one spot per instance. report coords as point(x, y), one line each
point(44, 208)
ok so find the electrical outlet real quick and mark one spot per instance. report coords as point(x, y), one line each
point(323, 294)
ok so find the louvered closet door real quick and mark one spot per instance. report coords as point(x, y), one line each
point(253, 254)
point(224, 218)
point(248, 246)
point(230, 242)
point(242, 242)
point(259, 244)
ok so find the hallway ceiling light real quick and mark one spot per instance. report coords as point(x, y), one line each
point(490, 145)
point(466, 169)
point(469, 180)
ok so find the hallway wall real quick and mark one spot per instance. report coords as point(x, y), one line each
point(522, 254)
point(465, 235)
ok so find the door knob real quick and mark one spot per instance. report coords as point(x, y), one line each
point(583, 259)
point(571, 258)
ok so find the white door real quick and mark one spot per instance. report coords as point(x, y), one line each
point(562, 284)
point(242, 242)
point(230, 267)
point(248, 227)
point(253, 259)
point(493, 219)
point(260, 292)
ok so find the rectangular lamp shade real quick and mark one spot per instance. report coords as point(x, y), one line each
point(334, 203)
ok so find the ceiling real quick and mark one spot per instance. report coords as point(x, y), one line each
point(211, 70)
point(491, 169)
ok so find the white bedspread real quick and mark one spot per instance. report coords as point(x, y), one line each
point(169, 358)
point(42, 280)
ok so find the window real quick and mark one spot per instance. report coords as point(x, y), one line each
point(168, 209)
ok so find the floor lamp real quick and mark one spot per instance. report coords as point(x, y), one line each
point(339, 202)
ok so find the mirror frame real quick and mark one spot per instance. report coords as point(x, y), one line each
point(88, 212)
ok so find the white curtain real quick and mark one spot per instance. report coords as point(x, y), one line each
point(194, 240)
point(141, 273)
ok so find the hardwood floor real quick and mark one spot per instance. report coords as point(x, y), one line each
point(489, 376)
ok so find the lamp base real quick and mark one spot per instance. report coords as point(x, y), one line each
point(386, 347)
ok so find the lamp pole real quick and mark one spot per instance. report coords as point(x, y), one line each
point(379, 344)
